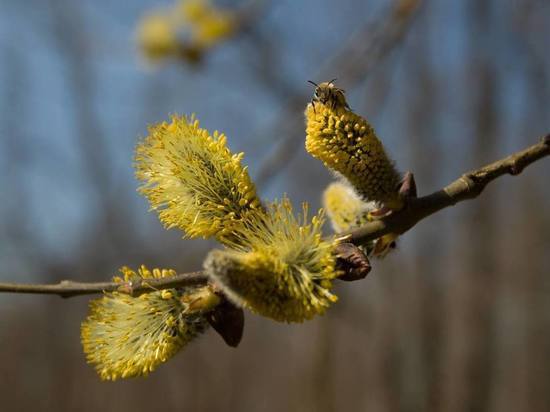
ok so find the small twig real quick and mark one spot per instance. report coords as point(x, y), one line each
point(468, 186)
point(69, 288)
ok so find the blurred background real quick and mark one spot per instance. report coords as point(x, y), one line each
point(457, 319)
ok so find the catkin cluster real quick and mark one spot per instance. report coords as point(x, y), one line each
point(281, 267)
point(274, 263)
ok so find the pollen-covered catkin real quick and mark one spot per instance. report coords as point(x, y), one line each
point(282, 269)
point(347, 144)
point(193, 180)
point(347, 211)
point(127, 336)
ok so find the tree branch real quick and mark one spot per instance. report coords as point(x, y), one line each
point(69, 288)
point(468, 186)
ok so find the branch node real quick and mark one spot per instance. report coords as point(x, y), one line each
point(128, 287)
point(515, 168)
point(473, 185)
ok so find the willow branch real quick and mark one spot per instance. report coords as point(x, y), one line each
point(468, 186)
point(69, 288)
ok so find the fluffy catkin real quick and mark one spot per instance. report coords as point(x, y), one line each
point(194, 181)
point(282, 269)
point(347, 211)
point(344, 208)
point(126, 336)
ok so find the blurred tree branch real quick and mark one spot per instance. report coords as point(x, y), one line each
point(468, 186)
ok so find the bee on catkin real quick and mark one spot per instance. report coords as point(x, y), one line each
point(328, 94)
point(348, 145)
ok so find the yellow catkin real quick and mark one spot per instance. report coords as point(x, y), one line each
point(208, 25)
point(127, 336)
point(281, 268)
point(157, 37)
point(186, 30)
point(194, 181)
point(344, 208)
point(347, 144)
point(347, 211)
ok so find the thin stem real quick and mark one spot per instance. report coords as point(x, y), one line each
point(69, 288)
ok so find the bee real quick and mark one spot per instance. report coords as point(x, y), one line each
point(328, 94)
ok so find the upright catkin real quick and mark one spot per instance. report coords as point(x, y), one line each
point(347, 144)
